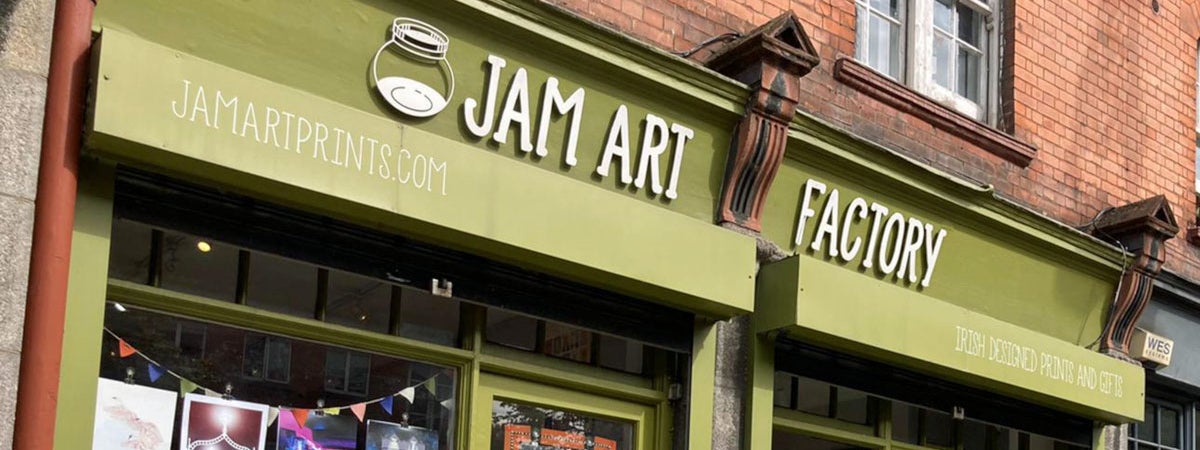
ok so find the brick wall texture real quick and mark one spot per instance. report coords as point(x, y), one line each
point(1107, 95)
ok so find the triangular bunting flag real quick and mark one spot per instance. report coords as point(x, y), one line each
point(407, 393)
point(359, 410)
point(431, 385)
point(272, 415)
point(155, 372)
point(124, 348)
point(301, 416)
point(211, 393)
point(332, 411)
point(186, 386)
point(448, 404)
point(386, 403)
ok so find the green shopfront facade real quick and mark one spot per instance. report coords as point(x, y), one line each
point(488, 224)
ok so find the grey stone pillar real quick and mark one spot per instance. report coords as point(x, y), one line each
point(25, 29)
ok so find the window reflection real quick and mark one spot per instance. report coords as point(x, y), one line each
point(522, 426)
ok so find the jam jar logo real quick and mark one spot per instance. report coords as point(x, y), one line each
point(427, 45)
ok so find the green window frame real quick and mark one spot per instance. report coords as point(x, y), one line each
point(90, 289)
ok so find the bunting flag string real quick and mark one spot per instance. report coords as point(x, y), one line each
point(187, 386)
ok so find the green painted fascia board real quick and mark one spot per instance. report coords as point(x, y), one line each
point(626, 53)
point(495, 206)
point(817, 143)
point(809, 300)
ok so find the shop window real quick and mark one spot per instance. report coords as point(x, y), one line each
point(358, 302)
point(282, 285)
point(823, 399)
point(301, 314)
point(198, 266)
point(517, 425)
point(941, 48)
point(267, 358)
point(347, 372)
point(863, 420)
point(1162, 428)
point(564, 341)
point(430, 413)
point(131, 261)
point(428, 317)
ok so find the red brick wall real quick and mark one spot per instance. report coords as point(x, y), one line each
point(1106, 94)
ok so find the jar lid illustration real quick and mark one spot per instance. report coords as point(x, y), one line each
point(425, 43)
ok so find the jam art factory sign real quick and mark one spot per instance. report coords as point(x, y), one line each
point(496, 116)
point(893, 243)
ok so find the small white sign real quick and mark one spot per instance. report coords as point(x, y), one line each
point(1147, 346)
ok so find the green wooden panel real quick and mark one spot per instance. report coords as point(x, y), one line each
point(995, 258)
point(907, 328)
point(325, 49)
point(422, 183)
point(83, 326)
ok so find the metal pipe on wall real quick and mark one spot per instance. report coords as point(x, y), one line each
point(54, 217)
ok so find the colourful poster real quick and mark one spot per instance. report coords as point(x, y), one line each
point(316, 431)
point(391, 436)
point(525, 437)
point(132, 417)
point(214, 423)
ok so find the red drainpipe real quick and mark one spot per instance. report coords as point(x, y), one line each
point(54, 217)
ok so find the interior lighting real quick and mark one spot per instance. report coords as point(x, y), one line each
point(203, 246)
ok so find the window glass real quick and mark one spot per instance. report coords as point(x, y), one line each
point(880, 35)
point(812, 396)
point(783, 390)
point(939, 429)
point(1169, 431)
point(905, 423)
point(282, 285)
point(1146, 429)
point(567, 342)
point(227, 360)
point(852, 406)
point(621, 354)
point(520, 426)
point(429, 318)
point(358, 302)
point(130, 261)
point(198, 266)
point(781, 440)
point(510, 329)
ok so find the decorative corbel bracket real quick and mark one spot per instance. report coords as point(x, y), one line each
point(771, 60)
point(1141, 228)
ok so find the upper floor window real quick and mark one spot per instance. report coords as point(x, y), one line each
point(945, 49)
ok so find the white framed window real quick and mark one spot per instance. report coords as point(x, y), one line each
point(945, 49)
point(1197, 111)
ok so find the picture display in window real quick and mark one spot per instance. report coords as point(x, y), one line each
point(277, 371)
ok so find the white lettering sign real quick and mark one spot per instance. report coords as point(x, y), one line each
point(302, 136)
point(1015, 356)
point(894, 244)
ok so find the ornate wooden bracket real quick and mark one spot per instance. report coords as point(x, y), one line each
point(771, 59)
point(1142, 228)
